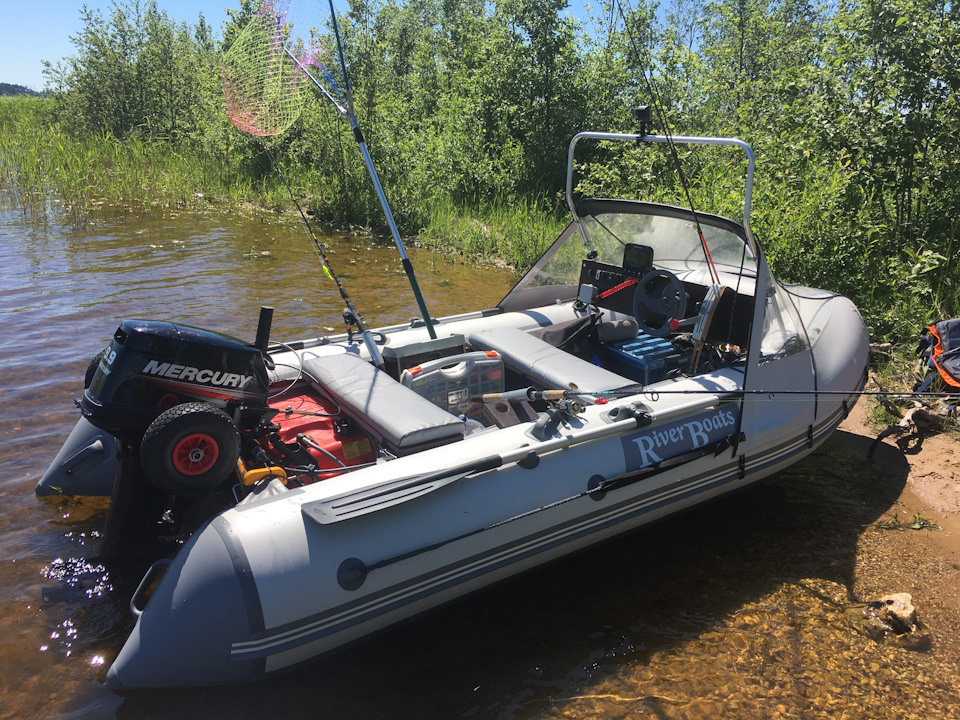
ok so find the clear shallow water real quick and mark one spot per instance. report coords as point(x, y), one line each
point(733, 610)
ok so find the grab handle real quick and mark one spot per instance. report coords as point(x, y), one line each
point(145, 583)
point(455, 370)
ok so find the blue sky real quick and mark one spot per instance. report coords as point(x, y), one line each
point(36, 30)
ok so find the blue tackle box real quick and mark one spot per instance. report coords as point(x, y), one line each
point(450, 382)
point(645, 359)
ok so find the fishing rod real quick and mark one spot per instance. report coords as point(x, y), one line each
point(532, 393)
point(350, 314)
point(264, 81)
point(643, 117)
point(351, 116)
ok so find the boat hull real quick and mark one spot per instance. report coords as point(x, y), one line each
point(451, 505)
point(290, 589)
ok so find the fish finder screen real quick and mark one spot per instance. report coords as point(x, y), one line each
point(638, 257)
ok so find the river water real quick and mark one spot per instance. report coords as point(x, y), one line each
point(738, 609)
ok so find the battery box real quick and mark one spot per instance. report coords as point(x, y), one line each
point(398, 359)
point(645, 359)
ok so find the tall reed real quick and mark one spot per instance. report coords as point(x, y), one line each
point(42, 160)
point(514, 232)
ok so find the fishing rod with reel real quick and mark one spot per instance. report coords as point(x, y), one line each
point(653, 394)
point(350, 314)
point(347, 111)
point(264, 76)
point(644, 116)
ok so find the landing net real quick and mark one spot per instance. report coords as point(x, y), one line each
point(267, 69)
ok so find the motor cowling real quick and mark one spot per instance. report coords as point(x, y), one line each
point(177, 398)
point(152, 366)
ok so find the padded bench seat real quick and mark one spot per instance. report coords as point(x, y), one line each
point(550, 367)
point(404, 420)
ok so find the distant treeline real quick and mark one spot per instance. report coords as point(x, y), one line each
point(468, 106)
point(9, 89)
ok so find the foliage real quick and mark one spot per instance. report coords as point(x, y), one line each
point(467, 107)
point(918, 522)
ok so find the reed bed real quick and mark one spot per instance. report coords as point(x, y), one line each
point(42, 161)
point(514, 232)
point(814, 218)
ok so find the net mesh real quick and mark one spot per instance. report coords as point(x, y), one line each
point(267, 69)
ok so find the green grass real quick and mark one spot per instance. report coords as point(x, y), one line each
point(136, 174)
point(514, 233)
point(815, 220)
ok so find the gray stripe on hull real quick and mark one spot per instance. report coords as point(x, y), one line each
point(248, 585)
point(331, 621)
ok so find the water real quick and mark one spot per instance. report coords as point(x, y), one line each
point(734, 610)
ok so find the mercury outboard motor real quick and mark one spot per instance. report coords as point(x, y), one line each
point(176, 398)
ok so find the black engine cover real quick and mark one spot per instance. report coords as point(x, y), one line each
point(151, 366)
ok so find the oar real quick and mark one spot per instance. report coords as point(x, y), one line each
point(356, 503)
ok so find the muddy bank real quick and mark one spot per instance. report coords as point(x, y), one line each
point(922, 562)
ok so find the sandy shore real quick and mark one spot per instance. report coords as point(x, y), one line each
point(922, 562)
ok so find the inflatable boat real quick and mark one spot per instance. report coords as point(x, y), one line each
point(332, 488)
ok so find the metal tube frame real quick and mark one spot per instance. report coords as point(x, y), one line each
point(683, 140)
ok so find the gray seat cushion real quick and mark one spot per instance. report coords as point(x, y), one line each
point(395, 413)
point(546, 365)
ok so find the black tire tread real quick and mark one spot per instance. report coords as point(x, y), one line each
point(171, 426)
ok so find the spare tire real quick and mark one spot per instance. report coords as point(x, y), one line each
point(190, 449)
point(92, 368)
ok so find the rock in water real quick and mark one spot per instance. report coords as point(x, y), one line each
point(892, 619)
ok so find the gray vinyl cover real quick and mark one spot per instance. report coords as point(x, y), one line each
point(551, 367)
point(396, 413)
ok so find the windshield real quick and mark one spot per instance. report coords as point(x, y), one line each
point(674, 241)
point(613, 226)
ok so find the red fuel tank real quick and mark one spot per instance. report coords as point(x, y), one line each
point(316, 424)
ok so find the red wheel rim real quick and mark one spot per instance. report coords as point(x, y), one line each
point(195, 454)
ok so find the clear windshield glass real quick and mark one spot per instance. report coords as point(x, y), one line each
point(783, 331)
point(673, 240)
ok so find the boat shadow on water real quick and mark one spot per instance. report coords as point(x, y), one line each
point(610, 623)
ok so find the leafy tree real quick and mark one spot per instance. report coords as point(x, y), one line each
point(852, 107)
point(135, 72)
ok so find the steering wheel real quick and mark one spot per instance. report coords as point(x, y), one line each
point(658, 299)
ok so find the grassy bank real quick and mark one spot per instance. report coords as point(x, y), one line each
point(42, 161)
point(514, 234)
point(141, 175)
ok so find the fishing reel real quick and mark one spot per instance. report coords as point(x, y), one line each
point(558, 411)
point(351, 320)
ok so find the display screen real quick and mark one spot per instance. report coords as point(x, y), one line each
point(638, 257)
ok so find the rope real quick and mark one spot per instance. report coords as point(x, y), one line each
point(618, 288)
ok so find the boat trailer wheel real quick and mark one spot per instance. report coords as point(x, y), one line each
point(660, 297)
point(190, 449)
point(195, 454)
